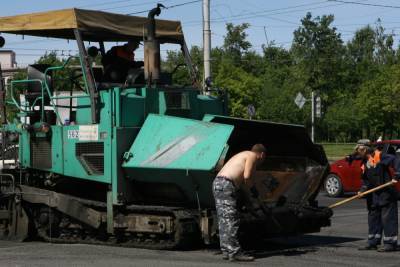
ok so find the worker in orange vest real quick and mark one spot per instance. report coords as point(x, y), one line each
point(126, 51)
point(120, 59)
point(381, 205)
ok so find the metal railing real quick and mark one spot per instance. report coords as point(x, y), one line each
point(44, 88)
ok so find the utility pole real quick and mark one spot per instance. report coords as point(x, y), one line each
point(206, 43)
point(266, 36)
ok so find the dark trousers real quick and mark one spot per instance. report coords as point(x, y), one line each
point(383, 220)
point(225, 195)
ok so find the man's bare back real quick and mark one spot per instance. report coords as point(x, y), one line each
point(240, 167)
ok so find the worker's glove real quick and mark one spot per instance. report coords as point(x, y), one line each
point(254, 192)
point(363, 189)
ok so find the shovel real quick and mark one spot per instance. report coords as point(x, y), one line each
point(361, 195)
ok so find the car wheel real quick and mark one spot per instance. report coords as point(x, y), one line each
point(333, 185)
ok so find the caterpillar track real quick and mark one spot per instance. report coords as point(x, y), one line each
point(23, 219)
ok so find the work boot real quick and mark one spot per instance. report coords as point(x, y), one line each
point(387, 248)
point(368, 247)
point(241, 257)
point(224, 255)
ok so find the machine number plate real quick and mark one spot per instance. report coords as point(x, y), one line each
point(73, 134)
point(85, 133)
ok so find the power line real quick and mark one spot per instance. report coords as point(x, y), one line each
point(107, 3)
point(266, 14)
point(273, 10)
point(134, 5)
point(183, 4)
point(173, 6)
point(363, 4)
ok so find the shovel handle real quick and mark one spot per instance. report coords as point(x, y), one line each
point(361, 195)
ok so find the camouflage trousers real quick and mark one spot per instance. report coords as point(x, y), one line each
point(225, 195)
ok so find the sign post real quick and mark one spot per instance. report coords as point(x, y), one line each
point(312, 114)
point(300, 100)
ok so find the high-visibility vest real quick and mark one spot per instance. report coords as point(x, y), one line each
point(377, 157)
point(122, 53)
point(373, 161)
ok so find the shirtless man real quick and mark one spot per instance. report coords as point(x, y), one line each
point(239, 169)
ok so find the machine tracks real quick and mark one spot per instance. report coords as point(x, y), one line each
point(150, 227)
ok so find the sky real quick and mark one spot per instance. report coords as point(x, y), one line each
point(269, 20)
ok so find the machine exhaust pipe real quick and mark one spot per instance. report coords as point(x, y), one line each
point(152, 47)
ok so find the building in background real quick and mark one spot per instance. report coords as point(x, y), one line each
point(8, 64)
point(7, 59)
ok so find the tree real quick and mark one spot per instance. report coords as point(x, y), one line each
point(317, 48)
point(243, 88)
point(360, 58)
point(384, 53)
point(280, 83)
point(342, 121)
point(378, 101)
point(175, 64)
point(235, 42)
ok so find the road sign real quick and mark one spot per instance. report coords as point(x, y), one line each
point(300, 100)
point(251, 111)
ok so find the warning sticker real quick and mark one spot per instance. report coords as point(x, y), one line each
point(88, 133)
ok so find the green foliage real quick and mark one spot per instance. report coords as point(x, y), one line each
point(175, 64)
point(343, 121)
point(235, 43)
point(378, 105)
point(237, 69)
point(317, 49)
point(243, 88)
point(62, 79)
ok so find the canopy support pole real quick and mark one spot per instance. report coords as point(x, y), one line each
point(87, 76)
point(2, 99)
point(189, 63)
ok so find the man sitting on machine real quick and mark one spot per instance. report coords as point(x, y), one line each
point(119, 61)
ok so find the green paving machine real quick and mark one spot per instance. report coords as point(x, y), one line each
point(117, 156)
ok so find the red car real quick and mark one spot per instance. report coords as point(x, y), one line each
point(345, 175)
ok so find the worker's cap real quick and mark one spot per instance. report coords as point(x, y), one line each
point(364, 142)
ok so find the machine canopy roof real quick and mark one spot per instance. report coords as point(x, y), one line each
point(94, 26)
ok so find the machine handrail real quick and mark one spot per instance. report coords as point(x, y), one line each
point(14, 101)
point(44, 87)
point(36, 99)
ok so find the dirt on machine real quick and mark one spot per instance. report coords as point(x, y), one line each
point(127, 157)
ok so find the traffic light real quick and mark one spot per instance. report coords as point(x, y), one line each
point(318, 107)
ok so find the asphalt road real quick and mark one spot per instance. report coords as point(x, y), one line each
point(333, 246)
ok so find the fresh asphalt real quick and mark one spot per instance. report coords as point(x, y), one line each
point(333, 246)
